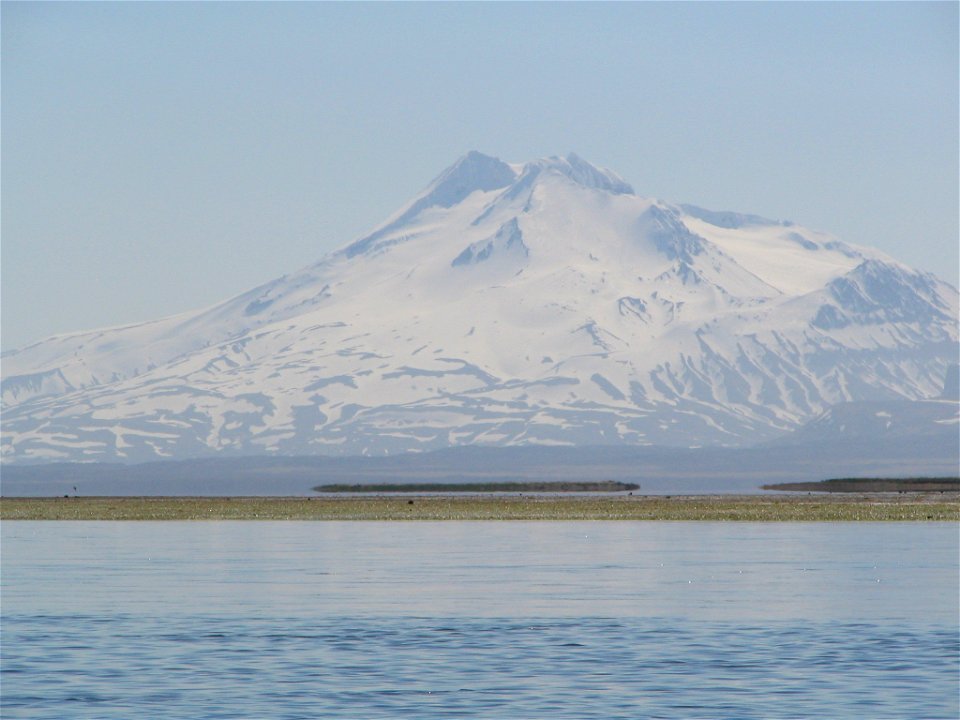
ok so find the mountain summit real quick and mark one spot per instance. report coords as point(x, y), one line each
point(536, 303)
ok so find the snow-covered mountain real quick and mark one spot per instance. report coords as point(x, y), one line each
point(932, 422)
point(536, 303)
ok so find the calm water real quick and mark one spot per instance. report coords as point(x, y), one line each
point(495, 620)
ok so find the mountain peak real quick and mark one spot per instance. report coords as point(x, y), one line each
point(581, 172)
point(477, 171)
point(471, 172)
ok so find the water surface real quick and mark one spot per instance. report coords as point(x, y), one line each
point(605, 620)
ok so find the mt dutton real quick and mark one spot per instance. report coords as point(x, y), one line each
point(542, 303)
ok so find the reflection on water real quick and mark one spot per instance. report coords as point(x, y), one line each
point(292, 620)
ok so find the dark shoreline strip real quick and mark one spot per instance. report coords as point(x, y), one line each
point(484, 487)
point(861, 485)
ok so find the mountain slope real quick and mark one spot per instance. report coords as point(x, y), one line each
point(542, 303)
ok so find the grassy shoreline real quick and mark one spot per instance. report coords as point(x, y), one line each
point(753, 508)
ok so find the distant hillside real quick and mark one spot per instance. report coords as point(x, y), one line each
point(931, 425)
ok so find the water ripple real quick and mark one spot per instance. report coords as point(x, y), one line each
point(202, 667)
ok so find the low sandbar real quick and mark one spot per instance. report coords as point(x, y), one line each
point(752, 508)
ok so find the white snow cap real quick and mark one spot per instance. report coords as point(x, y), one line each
point(583, 173)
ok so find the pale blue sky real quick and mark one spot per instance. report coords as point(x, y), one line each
point(158, 157)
